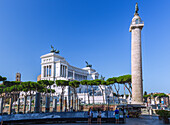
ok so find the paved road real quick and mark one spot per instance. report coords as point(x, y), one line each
point(143, 120)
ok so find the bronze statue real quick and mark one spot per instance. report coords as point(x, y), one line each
point(57, 51)
point(88, 64)
point(102, 78)
point(54, 50)
point(136, 8)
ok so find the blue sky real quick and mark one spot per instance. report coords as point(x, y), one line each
point(92, 30)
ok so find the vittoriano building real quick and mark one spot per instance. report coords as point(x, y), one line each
point(55, 67)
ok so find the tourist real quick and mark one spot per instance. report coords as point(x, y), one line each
point(1, 121)
point(117, 116)
point(99, 116)
point(71, 109)
point(89, 116)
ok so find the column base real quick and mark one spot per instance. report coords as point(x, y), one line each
point(139, 103)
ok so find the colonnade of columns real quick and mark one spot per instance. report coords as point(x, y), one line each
point(47, 70)
point(64, 71)
point(64, 106)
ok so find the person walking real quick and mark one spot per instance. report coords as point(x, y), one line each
point(117, 116)
point(99, 116)
point(89, 116)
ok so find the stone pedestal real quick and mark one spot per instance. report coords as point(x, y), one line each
point(150, 111)
point(47, 103)
point(1, 105)
point(37, 102)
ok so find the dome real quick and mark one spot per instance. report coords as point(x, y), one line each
point(39, 78)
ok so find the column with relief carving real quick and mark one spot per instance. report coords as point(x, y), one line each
point(136, 58)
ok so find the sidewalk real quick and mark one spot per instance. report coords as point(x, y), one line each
point(143, 120)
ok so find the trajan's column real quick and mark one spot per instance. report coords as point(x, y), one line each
point(136, 58)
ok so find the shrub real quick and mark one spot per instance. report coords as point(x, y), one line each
point(163, 113)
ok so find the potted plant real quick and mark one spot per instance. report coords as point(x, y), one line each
point(158, 112)
point(164, 114)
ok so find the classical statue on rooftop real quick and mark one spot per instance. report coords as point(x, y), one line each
point(54, 50)
point(88, 64)
point(136, 8)
point(102, 77)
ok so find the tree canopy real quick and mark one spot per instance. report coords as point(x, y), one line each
point(44, 86)
point(3, 78)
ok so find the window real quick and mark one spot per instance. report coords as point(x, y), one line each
point(61, 70)
point(44, 71)
point(137, 21)
point(49, 70)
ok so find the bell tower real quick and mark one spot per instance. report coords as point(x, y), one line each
point(18, 76)
point(136, 58)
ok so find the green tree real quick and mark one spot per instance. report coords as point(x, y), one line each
point(3, 78)
point(113, 81)
point(145, 93)
point(44, 85)
point(62, 84)
point(74, 84)
point(92, 83)
point(126, 80)
point(99, 83)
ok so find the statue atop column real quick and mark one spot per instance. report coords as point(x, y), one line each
point(136, 8)
point(88, 64)
point(54, 50)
